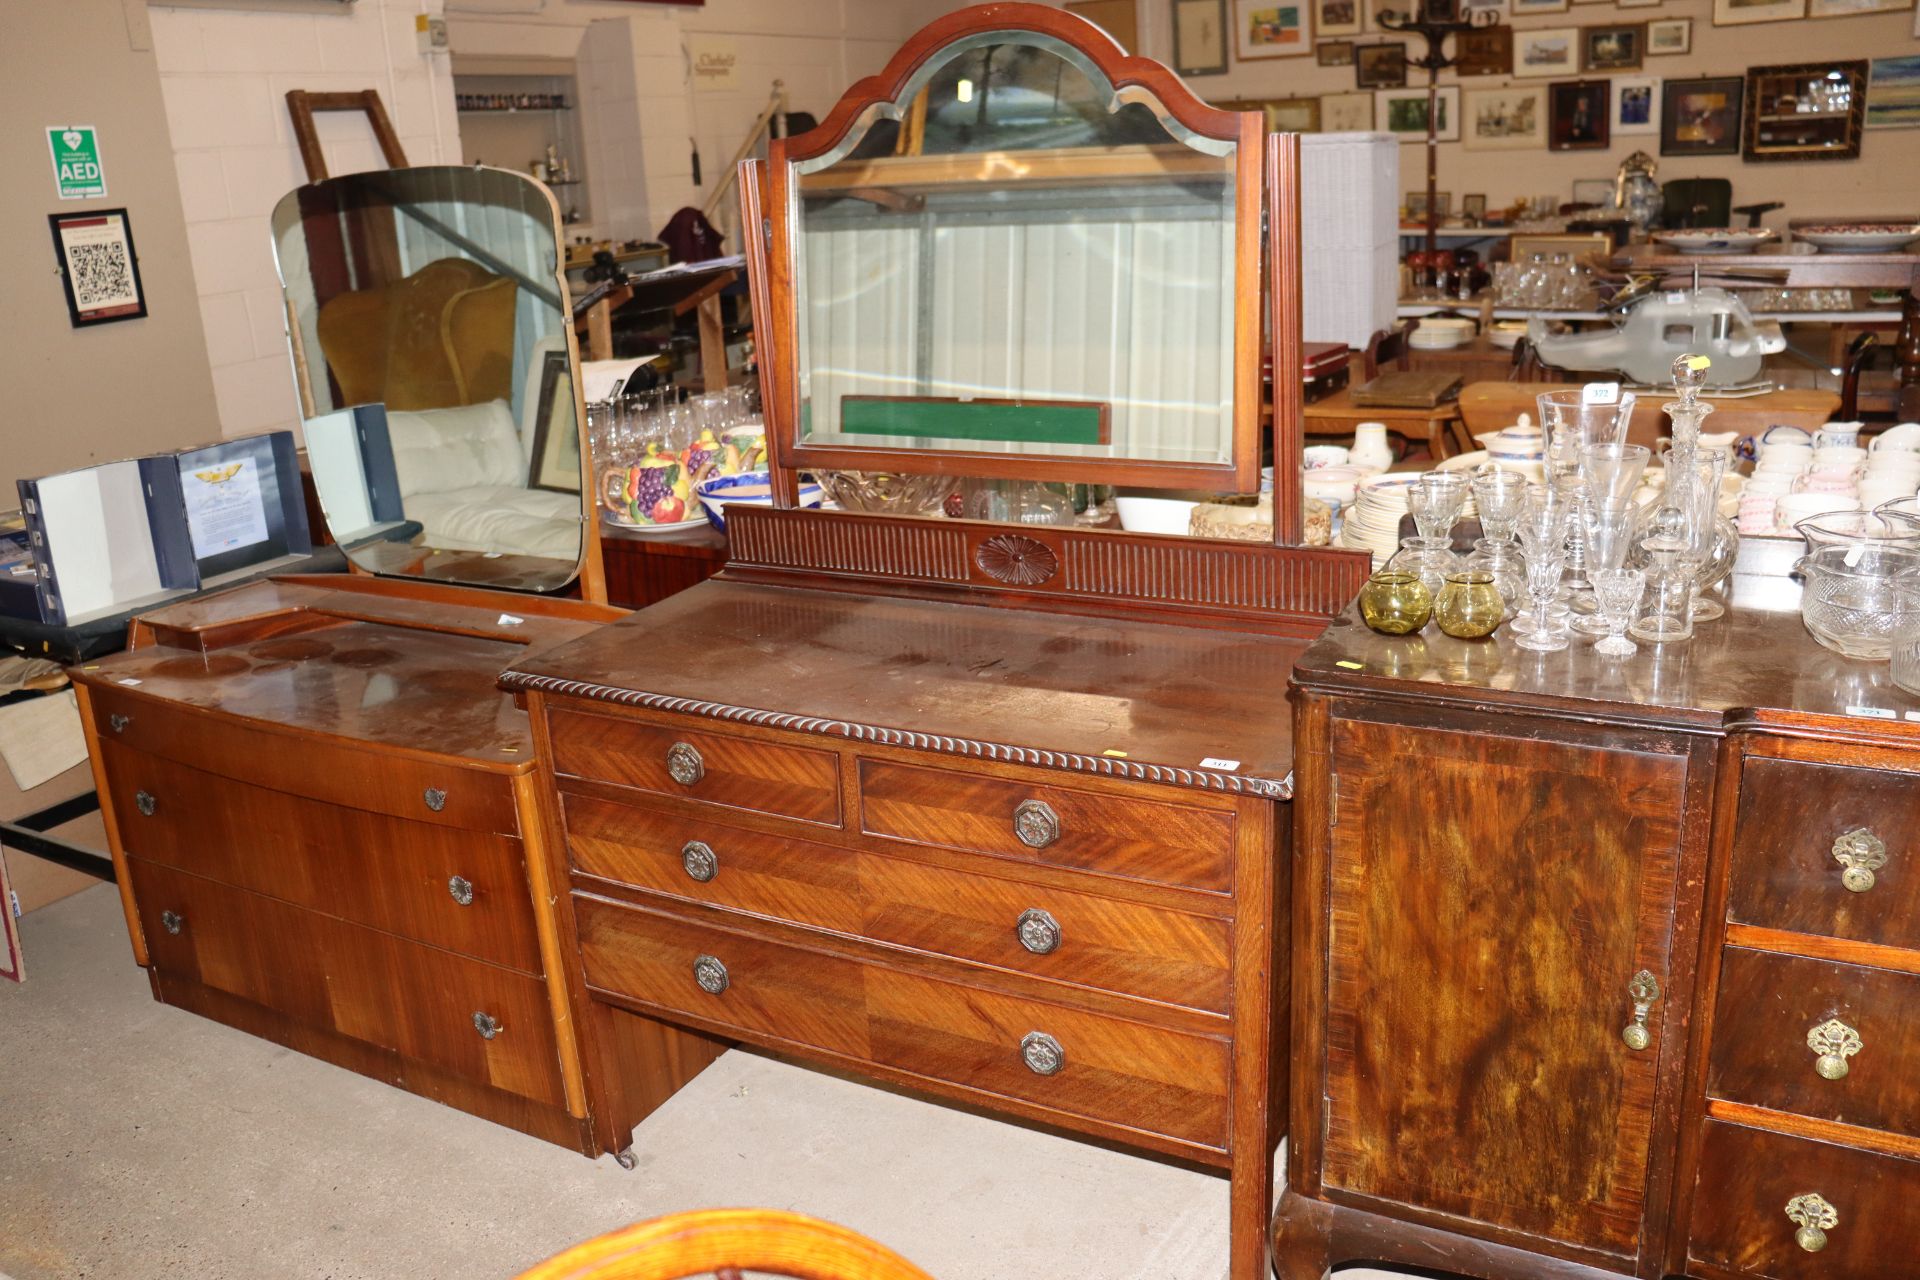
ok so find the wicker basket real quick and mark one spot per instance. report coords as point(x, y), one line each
point(1250, 520)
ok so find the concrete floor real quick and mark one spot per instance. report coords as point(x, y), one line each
point(140, 1141)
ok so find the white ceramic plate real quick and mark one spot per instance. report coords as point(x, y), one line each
point(1883, 238)
point(698, 522)
point(1718, 240)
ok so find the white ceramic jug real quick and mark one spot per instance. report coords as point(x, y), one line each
point(1370, 451)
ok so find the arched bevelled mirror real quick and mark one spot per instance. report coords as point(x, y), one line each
point(1019, 253)
point(436, 366)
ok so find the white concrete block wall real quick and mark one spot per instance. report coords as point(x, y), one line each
point(224, 76)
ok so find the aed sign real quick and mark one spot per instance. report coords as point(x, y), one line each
point(76, 161)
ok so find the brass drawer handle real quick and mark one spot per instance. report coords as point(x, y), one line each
point(1036, 824)
point(487, 1025)
point(1815, 1217)
point(1835, 1042)
point(1038, 931)
point(699, 861)
point(684, 764)
point(460, 889)
point(118, 722)
point(172, 921)
point(711, 975)
point(1861, 853)
point(1042, 1053)
point(436, 798)
point(145, 803)
point(1643, 991)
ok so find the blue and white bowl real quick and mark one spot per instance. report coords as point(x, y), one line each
point(749, 489)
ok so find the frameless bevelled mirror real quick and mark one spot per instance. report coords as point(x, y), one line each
point(429, 332)
point(1013, 267)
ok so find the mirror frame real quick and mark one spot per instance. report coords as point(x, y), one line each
point(589, 573)
point(770, 256)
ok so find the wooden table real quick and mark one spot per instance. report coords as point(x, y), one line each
point(1337, 415)
point(1489, 406)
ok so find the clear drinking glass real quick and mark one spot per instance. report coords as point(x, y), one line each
point(1665, 615)
point(1543, 531)
point(1618, 592)
point(1607, 531)
point(1435, 502)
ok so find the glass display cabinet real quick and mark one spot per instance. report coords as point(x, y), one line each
point(1808, 112)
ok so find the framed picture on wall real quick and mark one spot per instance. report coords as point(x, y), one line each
point(1577, 115)
point(1486, 51)
point(1701, 117)
point(1498, 8)
point(1616, 48)
point(1636, 105)
point(1893, 93)
point(1546, 52)
point(1284, 115)
point(1118, 18)
point(1271, 29)
point(1848, 8)
point(1337, 17)
point(1473, 206)
point(1734, 13)
point(1403, 113)
point(1806, 111)
point(1669, 36)
point(1334, 53)
point(1638, 4)
point(1380, 66)
point(1513, 118)
point(1346, 113)
point(556, 436)
point(99, 271)
point(1523, 8)
point(1200, 37)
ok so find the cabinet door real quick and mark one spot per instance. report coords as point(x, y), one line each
point(1491, 898)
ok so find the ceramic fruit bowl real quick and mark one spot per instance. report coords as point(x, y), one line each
point(748, 489)
point(1860, 237)
point(1716, 240)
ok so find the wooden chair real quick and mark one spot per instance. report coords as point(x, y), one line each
point(1857, 352)
point(725, 1243)
point(1337, 415)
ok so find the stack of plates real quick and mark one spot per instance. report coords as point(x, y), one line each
point(1438, 333)
point(1372, 523)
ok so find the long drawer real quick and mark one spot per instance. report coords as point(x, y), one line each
point(1758, 1191)
point(1782, 1019)
point(1076, 1064)
point(1087, 939)
point(488, 1024)
point(463, 890)
point(442, 792)
point(1114, 834)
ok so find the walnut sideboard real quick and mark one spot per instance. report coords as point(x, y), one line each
point(1604, 967)
point(325, 827)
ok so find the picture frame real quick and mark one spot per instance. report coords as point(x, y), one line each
point(1416, 206)
point(1669, 36)
point(1527, 8)
point(1593, 192)
point(1737, 13)
point(1346, 112)
point(99, 266)
point(1805, 111)
point(1118, 18)
point(1380, 66)
point(1484, 51)
point(1200, 37)
point(1618, 47)
point(1334, 53)
point(1339, 18)
point(1510, 118)
point(1546, 52)
point(1578, 114)
point(1893, 93)
point(1283, 115)
point(1498, 8)
point(1265, 29)
point(1576, 247)
point(555, 464)
point(1636, 105)
point(1702, 117)
point(1403, 113)
point(1852, 8)
point(1638, 4)
point(1473, 206)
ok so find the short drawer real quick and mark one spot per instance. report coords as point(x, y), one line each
point(415, 1000)
point(1773, 1012)
point(1095, 831)
point(718, 769)
point(1086, 939)
point(463, 890)
point(1798, 826)
point(1753, 1193)
point(449, 793)
point(972, 1040)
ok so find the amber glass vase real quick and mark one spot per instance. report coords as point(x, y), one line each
point(1395, 602)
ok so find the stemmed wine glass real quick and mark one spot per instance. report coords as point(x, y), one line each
point(1500, 496)
point(1435, 501)
point(1611, 473)
point(1617, 592)
point(1543, 533)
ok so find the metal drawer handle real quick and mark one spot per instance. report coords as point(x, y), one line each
point(118, 722)
point(487, 1025)
point(172, 921)
point(1861, 853)
point(144, 802)
point(711, 975)
point(684, 764)
point(1036, 824)
point(436, 798)
point(1835, 1042)
point(1038, 931)
point(460, 889)
point(1042, 1053)
point(1815, 1217)
point(1643, 991)
point(699, 861)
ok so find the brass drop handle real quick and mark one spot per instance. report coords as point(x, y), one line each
point(1036, 824)
point(487, 1025)
point(711, 975)
point(1835, 1042)
point(118, 722)
point(460, 889)
point(1042, 1053)
point(172, 921)
point(1038, 931)
point(699, 861)
point(684, 764)
point(1643, 990)
point(1815, 1217)
point(145, 803)
point(1860, 853)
